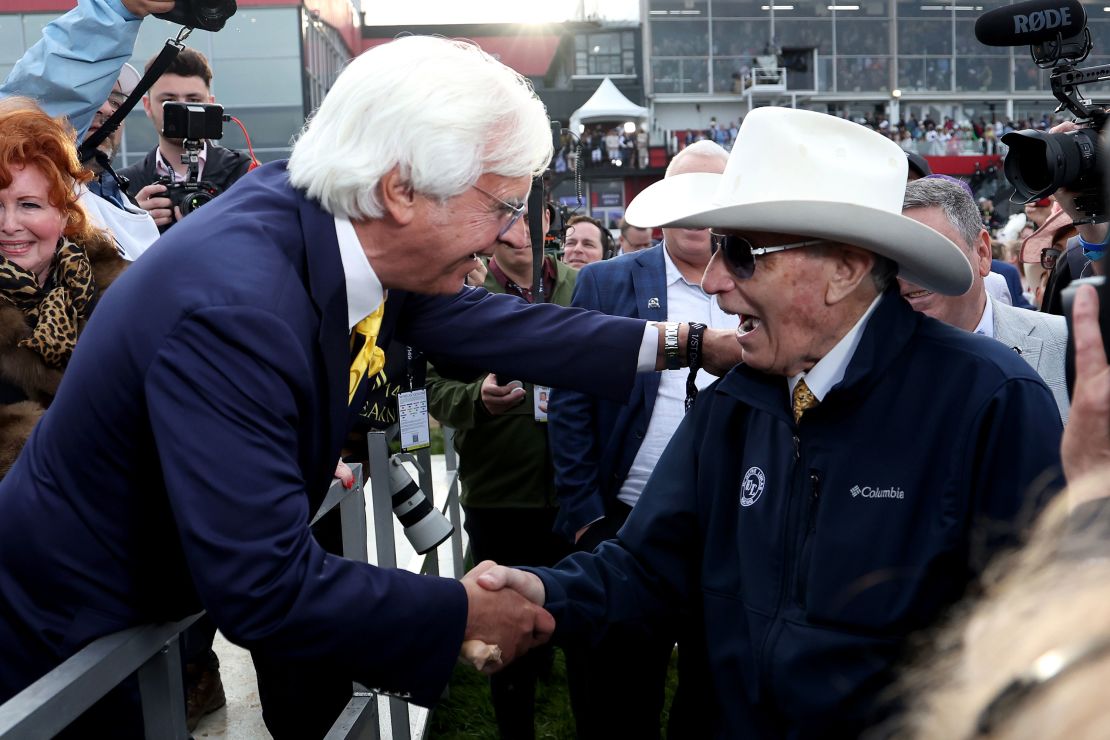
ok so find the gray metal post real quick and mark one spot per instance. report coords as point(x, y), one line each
point(162, 693)
point(427, 485)
point(453, 493)
point(352, 515)
point(381, 497)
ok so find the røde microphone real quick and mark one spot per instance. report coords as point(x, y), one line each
point(1032, 22)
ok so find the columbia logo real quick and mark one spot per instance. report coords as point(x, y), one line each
point(869, 492)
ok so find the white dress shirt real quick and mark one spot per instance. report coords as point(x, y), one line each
point(830, 369)
point(686, 301)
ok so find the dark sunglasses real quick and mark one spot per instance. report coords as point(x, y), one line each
point(1049, 256)
point(739, 254)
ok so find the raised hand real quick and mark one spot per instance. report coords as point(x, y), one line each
point(1086, 443)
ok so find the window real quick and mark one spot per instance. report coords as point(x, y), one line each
point(612, 53)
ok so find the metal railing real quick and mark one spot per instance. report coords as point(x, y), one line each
point(152, 651)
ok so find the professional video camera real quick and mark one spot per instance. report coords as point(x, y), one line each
point(209, 15)
point(192, 123)
point(1040, 163)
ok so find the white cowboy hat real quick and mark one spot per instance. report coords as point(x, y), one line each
point(810, 174)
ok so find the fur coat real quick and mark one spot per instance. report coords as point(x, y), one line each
point(25, 370)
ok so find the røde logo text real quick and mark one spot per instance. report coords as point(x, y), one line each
point(1040, 20)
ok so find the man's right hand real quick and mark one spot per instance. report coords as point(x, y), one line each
point(152, 200)
point(497, 614)
point(500, 398)
point(143, 8)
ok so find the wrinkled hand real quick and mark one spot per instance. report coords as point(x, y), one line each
point(720, 351)
point(500, 398)
point(498, 577)
point(143, 8)
point(160, 208)
point(344, 474)
point(1086, 444)
point(498, 615)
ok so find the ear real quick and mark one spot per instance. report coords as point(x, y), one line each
point(146, 106)
point(850, 267)
point(398, 197)
point(981, 257)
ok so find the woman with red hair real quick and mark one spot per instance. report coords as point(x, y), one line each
point(53, 265)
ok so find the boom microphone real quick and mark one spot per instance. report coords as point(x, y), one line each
point(1033, 22)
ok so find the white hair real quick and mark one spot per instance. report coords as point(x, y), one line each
point(442, 111)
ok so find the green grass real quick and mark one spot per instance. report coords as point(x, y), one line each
point(467, 713)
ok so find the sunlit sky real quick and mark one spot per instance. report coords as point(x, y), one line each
point(409, 12)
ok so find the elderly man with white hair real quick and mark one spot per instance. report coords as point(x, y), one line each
point(203, 414)
point(840, 488)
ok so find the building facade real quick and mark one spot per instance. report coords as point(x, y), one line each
point(850, 57)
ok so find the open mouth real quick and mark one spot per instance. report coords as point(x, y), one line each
point(748, 324)
point(914, 295)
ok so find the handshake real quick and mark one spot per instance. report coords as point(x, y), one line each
point(505, 616)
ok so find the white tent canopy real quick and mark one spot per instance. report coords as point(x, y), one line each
point(607, 104)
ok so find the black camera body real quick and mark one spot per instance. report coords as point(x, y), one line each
point(209, 15)
point(188, 195)
point(1039, 163)
point(192, 123)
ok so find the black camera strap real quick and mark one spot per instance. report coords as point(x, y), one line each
point(173, 47)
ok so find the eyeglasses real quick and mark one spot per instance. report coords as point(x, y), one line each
point(513, 213)
point(1049, 256)
point(740, 255)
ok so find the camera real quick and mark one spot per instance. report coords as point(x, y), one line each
point(1040, 163)
point(209, 15)
point(192, 123)
point(425, 527)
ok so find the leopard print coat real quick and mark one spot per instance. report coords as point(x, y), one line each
point(26, 369)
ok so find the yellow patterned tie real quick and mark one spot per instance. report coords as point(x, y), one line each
point(370, 359)
point(803, 400)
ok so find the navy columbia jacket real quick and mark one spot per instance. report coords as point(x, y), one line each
point(803, 555)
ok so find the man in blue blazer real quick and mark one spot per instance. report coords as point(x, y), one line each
point(604, 453)
point(203, 412)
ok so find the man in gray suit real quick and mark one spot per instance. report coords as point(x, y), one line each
point(1039, 338)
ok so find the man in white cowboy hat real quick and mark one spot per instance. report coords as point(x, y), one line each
point(841, 487)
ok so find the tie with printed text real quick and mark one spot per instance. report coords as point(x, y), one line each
point(803, 400)
point(370, 358)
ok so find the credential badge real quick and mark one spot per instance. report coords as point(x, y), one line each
point(752, 486)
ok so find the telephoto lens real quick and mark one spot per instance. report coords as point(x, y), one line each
point(1041, 163)
point(425, 526)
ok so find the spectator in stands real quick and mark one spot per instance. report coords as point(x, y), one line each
point(1040, 339)
point(633, 238)
point(604, 453)
point(508, 492)
point(54, 264)
point(76, 70)
point(839, 489)
point(188, 79)
point(213, 390)
point(587, 240)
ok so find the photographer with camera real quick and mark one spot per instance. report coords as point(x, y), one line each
point(187, 80)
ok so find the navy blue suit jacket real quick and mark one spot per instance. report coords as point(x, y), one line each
point(594, 441)
point(198, 427)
